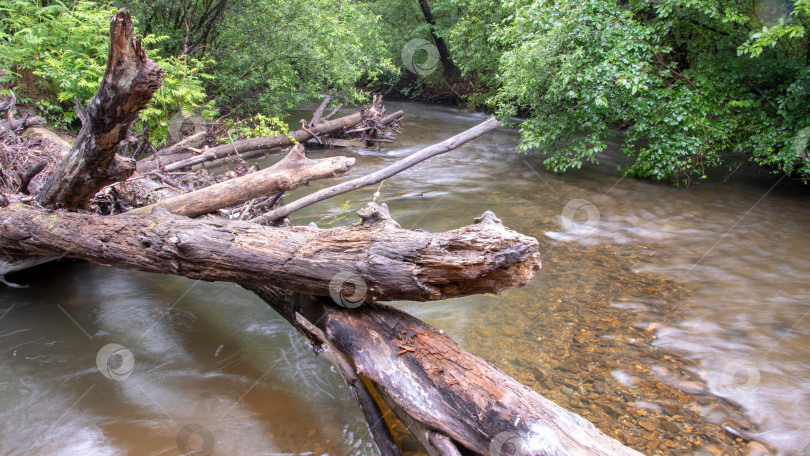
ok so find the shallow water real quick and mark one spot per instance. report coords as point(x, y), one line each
point(662, 314)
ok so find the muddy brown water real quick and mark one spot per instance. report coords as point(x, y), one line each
point(674, 319)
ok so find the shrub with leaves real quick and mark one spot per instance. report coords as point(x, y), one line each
point(259, 126)
point(53, 51)
point(694, 82)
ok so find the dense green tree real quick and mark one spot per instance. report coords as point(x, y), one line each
point(273, 54)
point(695, 83)
point(268, 56)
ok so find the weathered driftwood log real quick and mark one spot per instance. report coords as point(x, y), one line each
point(127, 86)
point(291, 172)
point(317, 116)
point(22, 123)
point(150, 163)
point(247, 145)
point(392, 262)
point(445, 388)
point(358, 143)
point(385, 173)
point(175, 152)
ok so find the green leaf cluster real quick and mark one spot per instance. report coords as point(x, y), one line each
point(695, 84)
point(269, 56)
point(53, 51)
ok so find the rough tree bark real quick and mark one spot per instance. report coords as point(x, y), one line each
point(127, 86)
point(427, 377)
point(394, 263)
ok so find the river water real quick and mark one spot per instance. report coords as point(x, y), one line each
point(675, 319)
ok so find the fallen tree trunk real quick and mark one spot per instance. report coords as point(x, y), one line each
point(150, 163)
point(127, 86)
point(452, 397)
point(291, 172)
point(247, 145)
point(427, 377)
point(453, 391)
point(392, 263)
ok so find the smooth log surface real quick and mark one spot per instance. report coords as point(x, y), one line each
point(394, 264)
point(127, 86)
point(291, 172)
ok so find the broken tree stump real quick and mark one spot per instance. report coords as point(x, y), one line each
point(127, 86)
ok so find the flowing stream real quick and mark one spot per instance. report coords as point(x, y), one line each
point(674, 319)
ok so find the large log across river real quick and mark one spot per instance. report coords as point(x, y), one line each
point(394, 263)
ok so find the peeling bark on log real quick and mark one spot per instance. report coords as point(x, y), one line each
point(291, 172)
point(455, 392)
point(433, 384)
point(247, 145)
point(393, 263)
point(127, 86)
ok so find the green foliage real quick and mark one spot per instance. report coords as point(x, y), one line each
point(275, 54)
point(473, 42)
point(259, 126)
point(691, 80)
point(272, 55)
point(181, 92)
point(55, 51)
